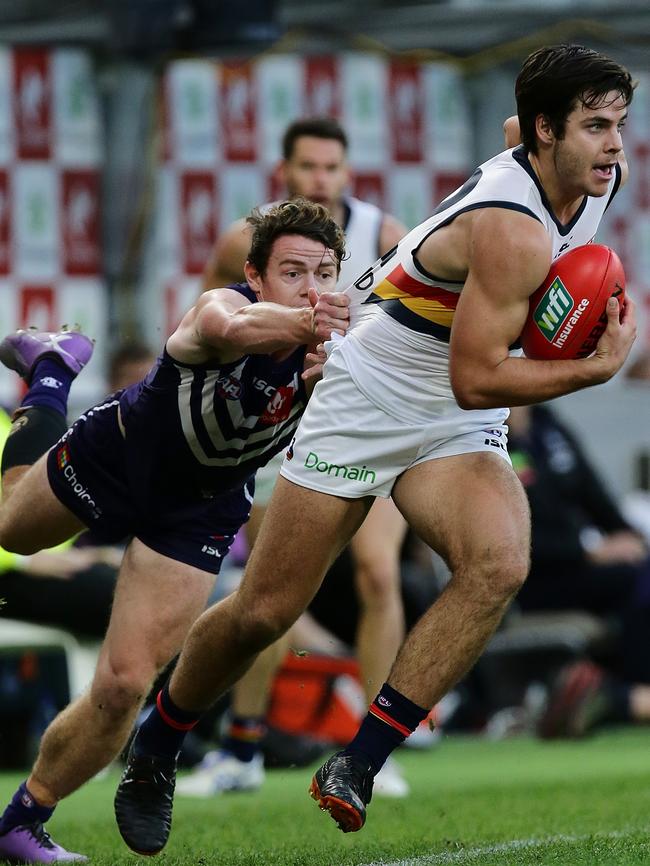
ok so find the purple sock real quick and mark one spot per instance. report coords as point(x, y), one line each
point(49, 386)
point(23, 809)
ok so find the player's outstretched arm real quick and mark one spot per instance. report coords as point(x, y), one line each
point(510, 255)
point(225, 326)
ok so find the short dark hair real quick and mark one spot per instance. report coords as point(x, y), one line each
point(296, 217)
point(316, 127)
point(556, 78)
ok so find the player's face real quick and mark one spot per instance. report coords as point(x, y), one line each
point(585, 158)
point(296, 263)
point(317, 170)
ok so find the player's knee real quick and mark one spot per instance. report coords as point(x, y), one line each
point(508, 569)
point(12, 539)
point(263, 623)
point(118, 690)
point(497, 575)
point(377, 583)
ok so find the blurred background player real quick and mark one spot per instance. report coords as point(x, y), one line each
point(128, 363)
point(314, 165)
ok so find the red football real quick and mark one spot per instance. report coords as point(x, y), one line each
point(566, 316)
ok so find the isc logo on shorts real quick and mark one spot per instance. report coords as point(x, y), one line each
point(495, 444)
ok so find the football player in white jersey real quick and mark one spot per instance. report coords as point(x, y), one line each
point(314, 166)
point(411, 405)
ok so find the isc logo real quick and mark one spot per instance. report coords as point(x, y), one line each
point(553, 309)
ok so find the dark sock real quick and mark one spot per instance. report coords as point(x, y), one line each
point(618, 701)
point(23, 809)
point(391, 718)
point(163, 731)
point(32, 434)
point(49, 385)
point(244, 736)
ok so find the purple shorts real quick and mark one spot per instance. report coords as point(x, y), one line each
point(119, 490)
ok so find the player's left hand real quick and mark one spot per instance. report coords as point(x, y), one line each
point(614, 345)
point(330, 313)
point(314, 361)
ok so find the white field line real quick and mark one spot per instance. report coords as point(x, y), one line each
point(473, 855)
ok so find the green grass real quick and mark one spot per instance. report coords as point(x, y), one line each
point(569, 804)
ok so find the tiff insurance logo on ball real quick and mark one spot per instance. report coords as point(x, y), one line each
point(553, 310)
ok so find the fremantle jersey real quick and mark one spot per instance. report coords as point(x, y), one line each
point(212, 425)
point(401, 315)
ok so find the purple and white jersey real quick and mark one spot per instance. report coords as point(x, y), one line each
point(212, 425)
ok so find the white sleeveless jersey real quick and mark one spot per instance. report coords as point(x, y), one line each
point(362, 230)
point(401, 315)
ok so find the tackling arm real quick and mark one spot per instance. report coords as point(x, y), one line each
point(225, 326)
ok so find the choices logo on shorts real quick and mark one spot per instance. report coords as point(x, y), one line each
point(352, 473)
point(64, 465)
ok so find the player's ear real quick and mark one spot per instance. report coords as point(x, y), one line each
point(253, 278)
point(544, 130)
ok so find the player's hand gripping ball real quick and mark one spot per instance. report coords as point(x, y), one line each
point(567, 313)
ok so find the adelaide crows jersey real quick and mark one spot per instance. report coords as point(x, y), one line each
point(402, 315)
point(212, 425)
point(426, 303)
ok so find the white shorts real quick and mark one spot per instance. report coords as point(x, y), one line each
point(347, 446)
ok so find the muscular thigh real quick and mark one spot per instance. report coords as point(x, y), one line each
point(156, 601)
point(466, 507)
point(31, 516)
point(301, 534)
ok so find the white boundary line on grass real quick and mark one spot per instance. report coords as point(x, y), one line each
point(467, 855)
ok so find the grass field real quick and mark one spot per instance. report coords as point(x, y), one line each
point(472, 802)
